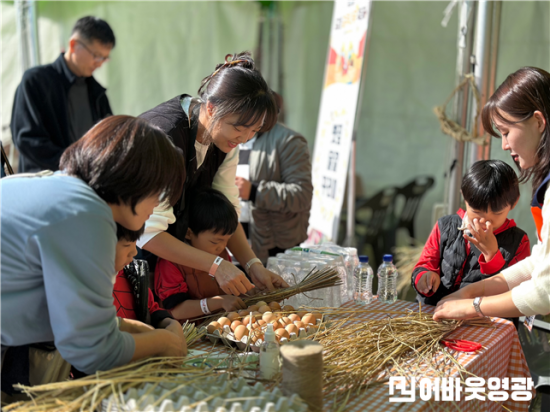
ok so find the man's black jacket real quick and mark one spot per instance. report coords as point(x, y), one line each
point(39, 120)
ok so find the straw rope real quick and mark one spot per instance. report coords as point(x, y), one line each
point(452, 128)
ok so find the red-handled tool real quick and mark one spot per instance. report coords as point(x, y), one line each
point(462, 345)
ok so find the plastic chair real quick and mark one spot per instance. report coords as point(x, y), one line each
point(412, 193)
point(373, 218)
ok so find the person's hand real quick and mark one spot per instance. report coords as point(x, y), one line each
point(133, 326)
point(429, 282)
point(483, 239)
point(244, 187)
point(175, 327)
point(231, 280)
point(171, 343)
point(454, 309)
point(265, 279)
point(230, 303)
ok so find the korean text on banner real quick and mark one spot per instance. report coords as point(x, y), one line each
point(337, 115)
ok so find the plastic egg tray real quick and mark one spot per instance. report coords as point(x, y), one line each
point(228, 337)
point(218, 393)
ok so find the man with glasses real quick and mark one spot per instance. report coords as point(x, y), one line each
point(56, 104)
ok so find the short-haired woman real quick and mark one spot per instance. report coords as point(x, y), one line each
point(58, 244)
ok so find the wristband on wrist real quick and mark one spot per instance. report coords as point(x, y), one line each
point(215, 266)
point(251, 262)
point(204, 307)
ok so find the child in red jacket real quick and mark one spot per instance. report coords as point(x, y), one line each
point(189, 293)
point(132, 297)
point(470, 246)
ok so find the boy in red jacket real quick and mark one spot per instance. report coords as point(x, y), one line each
point(477, 243)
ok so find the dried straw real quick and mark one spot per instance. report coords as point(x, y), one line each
point(360, 355)
point(316, 279)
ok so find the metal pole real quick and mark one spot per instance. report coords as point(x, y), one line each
point(481, 73)
point(495, 37)
point(350, 240)
point(460, 103)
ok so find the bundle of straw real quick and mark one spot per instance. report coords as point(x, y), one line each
point(191, 333)
point(316, 279)
point(89, 392)
point(359, 355)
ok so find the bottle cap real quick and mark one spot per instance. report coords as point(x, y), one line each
point(364, 259)
point(269, 333)
point(388, 258)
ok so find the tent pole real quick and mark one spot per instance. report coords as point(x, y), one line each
point(460, 106)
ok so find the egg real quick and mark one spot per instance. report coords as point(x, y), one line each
point(299, 324)
point(269, 316)
point(257, 314)
point(262, 323)
point(302, 313)
point(274, 306)
point(244, 312)
point(234, 325)
point(248, 319)
point(224, 321)
point(282, 333)
point(253, 308)
point(264, 309)
point(294, 317)
point(291, 329)
point(233, 316)
point(240, 331)
point(285, 321)
point(317, 315)
point(288, 308)
point(309, 319)
point(261, 303)
point(276, 324)
point(213, 326)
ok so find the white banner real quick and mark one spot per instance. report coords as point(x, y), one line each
point(336, 116)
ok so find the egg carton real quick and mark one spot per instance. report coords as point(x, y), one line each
point(213, 394)
point(228, 338)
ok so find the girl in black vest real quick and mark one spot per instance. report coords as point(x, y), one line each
point(234, 104)
point(519, 113)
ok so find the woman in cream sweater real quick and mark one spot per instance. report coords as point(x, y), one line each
point(519, 113)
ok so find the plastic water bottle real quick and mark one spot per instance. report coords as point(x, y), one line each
point(363, 281)
point(387, 280)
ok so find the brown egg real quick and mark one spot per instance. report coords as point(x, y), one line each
point(285, 321)
point(213, 326)
point(274, 306)
point(269, 317)
point(257, 314)
point(302, 313)
point(255, 338)
point(299, 324)
point(233, 316)
point(244, 312)
point(262, 323)
point(282, 333)
point(224, 321)
point(292, 329)
point(253, 308)
point(261, 303)
point(294, 317)
point(234, 324)
point(248, 319)
point(309, 319)
point(264, 309)
point(240, 331)
point(275, 324)
point(288, 308)
point(317, 315)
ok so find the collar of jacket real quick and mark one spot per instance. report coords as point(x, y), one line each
point(69, 77)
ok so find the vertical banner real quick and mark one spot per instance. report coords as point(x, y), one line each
point(337, 115)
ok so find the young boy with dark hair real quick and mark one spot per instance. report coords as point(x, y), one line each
point(186, 292)
point(132, 297)
point(477, 243)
